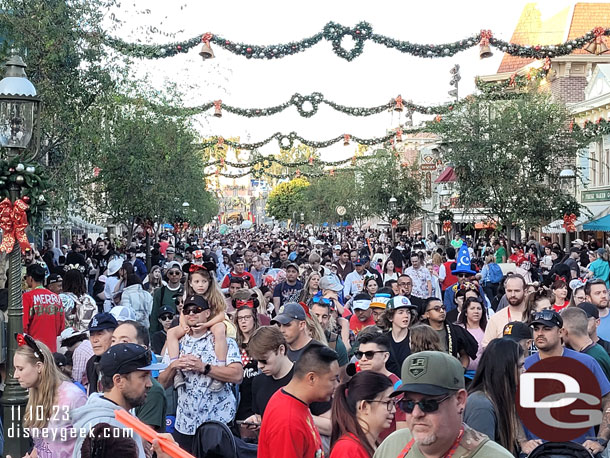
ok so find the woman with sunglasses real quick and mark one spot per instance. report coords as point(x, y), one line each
point(51, 398)
point(246, 321)
point(490, 408)
point(362, 408)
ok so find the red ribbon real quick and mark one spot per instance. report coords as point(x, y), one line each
point(241, 303)
point(346, 138)
point(218, 104)
point(399, 134)
point(206, 37)
point(485, 37)
point(447, 226)
point(13, 222)
point(547, 64)
point(568, 222)
point(399, 105)
point(599, 34)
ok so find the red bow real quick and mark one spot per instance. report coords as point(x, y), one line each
point(599, 33)
point(399, 106)
point(206, 37)
point(196, 267)
point(485, 37)
point(20, 340)
point(558, 278)
point(241, 303)
point(568, 222)
point(13, 222)
point(305, 309)
point(447, 226)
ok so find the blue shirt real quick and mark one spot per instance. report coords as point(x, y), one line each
point(603, 329)
point(450, 294)
point(601, 270)
point(593, 366)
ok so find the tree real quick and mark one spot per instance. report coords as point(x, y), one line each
point(287, 198)
point(508, 155)
point(381, 177)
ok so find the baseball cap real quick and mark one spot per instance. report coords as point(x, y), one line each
point(576, 283)
point(517, 331)
point(399, 302)
point(590, 309)
point(331, 283)
point(102, 321)
point(337, 247)
point(380, 300)
point(293, 265)
point(170, 249)
point(54, 278)
point(199, 301)
point(574, 250)
point(173, 265)
point(601, 251)
point(432, 373)
point(124, 358)
point(548, 318)
point(123, 313)
point(361, 302)
point(60, 359)
point(288, 312)
point(359, 262)
point(167, 309)
point(578, 242)
point(69, 336)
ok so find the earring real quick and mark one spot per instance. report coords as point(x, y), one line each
point(461, 411)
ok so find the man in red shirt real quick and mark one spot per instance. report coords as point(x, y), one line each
point(363, 315)
point(316, 376)
point(239, 270)
point(43, 311)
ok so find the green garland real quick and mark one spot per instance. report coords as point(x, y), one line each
point(362, 32)
point(258, 173)
point(515, 81)
point(29, 177)
point(286, 141)
point(267, 161)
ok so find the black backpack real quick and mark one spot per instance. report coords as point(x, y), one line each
point(214, 439)
point(560, 450)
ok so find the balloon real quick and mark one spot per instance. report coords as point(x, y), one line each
point(247, 224)
point(223, 229)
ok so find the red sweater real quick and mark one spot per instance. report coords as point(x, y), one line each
point(43, 316)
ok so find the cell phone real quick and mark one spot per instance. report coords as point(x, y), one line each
point(246, 423)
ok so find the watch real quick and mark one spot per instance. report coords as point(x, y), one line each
point(601, 441)
point(207, 369)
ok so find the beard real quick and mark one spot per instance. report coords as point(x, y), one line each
point(515, 300)
point(427, 440)
point(135, 401)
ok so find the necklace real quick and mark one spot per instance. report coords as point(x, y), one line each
point(405, 451)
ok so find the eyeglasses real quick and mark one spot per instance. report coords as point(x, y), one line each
point(390, 404)
point(426, 405)
point(369, 354)
point(166, 317)
point(192, 310)
point(404, 283)
point(174, 272)
point(245, 318)
point(462, 275)
point(437, 308)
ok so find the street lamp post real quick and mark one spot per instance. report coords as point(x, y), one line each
point(568, 174)
point(19, 122)
point(393, 204)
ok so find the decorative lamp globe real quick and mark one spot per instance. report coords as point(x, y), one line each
point(19, 107)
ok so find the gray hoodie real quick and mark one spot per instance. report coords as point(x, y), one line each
point(97, 410)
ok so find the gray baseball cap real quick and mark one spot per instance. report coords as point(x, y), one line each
point(288, 312)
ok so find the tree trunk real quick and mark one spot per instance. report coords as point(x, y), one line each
point(509, 230)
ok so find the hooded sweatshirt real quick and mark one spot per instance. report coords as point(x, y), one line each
point(98, 410)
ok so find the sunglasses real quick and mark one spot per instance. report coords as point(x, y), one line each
point(462, 275)
point(174, 272)
point(426, 405)
point(369, 354)
point(546, 315)
point(192, 310)
point(166, 317)
point(438, 308)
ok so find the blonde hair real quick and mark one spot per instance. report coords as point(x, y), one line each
point(213, 295)
point(44, 394)
point(314, 329)
point(437, 259)
point(262, 308)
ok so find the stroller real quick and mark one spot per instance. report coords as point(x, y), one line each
point(560, 450)
point(214, 439)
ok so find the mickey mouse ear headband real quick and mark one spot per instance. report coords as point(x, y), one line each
point(25, 339)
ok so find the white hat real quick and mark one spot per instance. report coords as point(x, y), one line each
point(114, 266)
point(578, 242)
point(123, 313)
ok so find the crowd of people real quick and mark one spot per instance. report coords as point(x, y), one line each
point(272, 343)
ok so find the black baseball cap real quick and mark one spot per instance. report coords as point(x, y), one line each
point(53, 278)
point(124, 358)
point(293, 266)
point(199, 301)
point(167, 309)
point(548, 318)
point(517, 331)
point(591, 310)
point(102, 321)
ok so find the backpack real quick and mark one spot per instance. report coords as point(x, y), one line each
point(560, 450)
point(495, 273)
point(332, 340)
point(214, 439)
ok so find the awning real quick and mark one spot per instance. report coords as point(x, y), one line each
point(601, 224)
point(447, 176)
point(556, 227)
point(485, 225)
point(79, 223)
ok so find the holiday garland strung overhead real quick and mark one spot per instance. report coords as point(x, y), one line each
point(515, 81)
point(268, 161)
point(258, 173)
point(286, 141)
point(397, 104)
point(593, 42)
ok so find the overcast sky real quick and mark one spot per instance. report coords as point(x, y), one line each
point(371, 79)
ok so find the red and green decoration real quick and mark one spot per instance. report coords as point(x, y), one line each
point(308, 105)
point(446, 218)
point(593, 42)
point(515, 81)
point(286, 141)
point(29, 178)
point(268, 161)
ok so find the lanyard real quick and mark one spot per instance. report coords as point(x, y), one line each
point(508, 310)
point(405, 451)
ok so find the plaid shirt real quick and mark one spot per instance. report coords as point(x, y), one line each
point(79, 362)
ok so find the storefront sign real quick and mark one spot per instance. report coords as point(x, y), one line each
point(596, 195)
